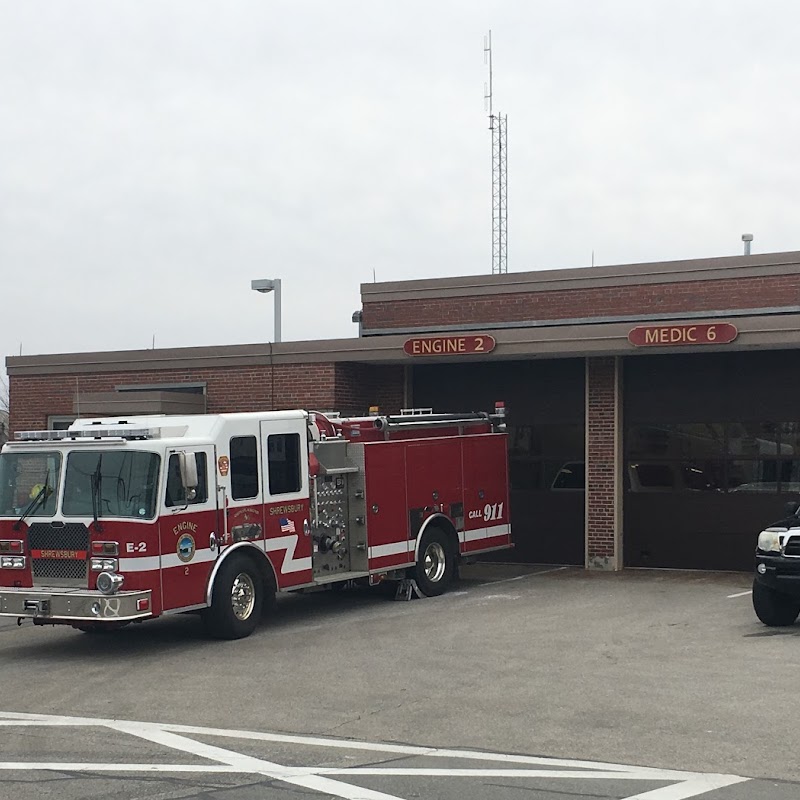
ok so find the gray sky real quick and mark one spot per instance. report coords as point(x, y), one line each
point(155, 155)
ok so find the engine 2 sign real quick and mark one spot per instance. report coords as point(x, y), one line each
point(671, 335)
point(449, 345)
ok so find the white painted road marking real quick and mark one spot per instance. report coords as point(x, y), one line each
point(740, 594)
point(683, 785)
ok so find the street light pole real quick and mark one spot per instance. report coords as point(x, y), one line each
point(277, 290)
point(265, 286)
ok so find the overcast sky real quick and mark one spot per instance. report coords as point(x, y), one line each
point(156, 155)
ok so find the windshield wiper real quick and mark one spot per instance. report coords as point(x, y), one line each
point(42, 493)
point(97, 498)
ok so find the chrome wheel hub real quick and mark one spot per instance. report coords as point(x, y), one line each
point(243, 596)
point(434, 562)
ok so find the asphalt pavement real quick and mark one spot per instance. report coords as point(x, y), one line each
point(656, 685)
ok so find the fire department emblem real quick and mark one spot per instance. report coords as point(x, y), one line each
point(223, 463)
point(186, 547)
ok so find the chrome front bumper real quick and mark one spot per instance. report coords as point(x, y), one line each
point(73, 605)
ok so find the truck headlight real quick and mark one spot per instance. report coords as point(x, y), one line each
point(769, 542)
point(109, 582)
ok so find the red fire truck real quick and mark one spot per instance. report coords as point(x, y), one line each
point(120, 520)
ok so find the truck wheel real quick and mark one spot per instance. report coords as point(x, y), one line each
point(436, 564)
point(236, 601)
point(773, 608)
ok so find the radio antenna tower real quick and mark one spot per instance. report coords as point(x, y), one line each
point(497, 125)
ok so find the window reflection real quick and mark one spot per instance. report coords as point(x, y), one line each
point(741, 457)
point(683, 440)
point(754, 439)
point(537, 453)
point(790, 438)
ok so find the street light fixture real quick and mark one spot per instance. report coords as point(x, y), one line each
point(265, 286)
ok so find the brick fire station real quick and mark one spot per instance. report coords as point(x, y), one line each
point(653, 408)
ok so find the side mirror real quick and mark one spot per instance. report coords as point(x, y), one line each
point(188, 466)
point(790, 509)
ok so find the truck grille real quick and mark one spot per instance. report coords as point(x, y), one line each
point(59, 552)
point(792, 547)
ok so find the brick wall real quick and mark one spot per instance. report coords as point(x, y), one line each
point(602, 497)
point(351, 388)
point(608, 301)
point(360, 386)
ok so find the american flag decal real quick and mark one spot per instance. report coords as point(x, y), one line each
point(287, 525)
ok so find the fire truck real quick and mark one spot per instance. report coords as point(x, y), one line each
point(121, 520)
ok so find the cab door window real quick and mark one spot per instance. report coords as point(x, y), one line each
point(283, 455)
point(176, 492)
point(244, 467)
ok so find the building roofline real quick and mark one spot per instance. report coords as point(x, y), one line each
point(654, 272)
point(579, 339)
point(233, 355)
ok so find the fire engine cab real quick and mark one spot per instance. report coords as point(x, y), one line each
point(120, 520)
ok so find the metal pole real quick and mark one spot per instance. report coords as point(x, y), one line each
point(277, 309)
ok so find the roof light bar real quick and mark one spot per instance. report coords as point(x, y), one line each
point(39, 436)
point(119, 432)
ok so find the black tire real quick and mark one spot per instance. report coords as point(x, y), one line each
point(237, 599)
point(435, 569)
point(773, 608)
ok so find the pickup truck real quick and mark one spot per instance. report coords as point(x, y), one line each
point(776, 587)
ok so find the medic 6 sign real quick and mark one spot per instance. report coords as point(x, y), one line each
point(449, 345)
point(670, 335)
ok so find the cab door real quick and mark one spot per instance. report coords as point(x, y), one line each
point(188, 530)
point(284, 455)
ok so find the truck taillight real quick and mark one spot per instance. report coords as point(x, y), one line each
point(12, 562)
point(11, 546)
point(143, 604)
point(105, 548)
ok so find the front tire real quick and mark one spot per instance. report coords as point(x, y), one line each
point(436, 563)
point(236, 601)
point(773, 608)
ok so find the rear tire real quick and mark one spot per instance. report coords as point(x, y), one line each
point(436, 564)
point(774, 608)
point(237, 599)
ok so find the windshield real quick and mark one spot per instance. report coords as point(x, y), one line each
point(26, 476)
point(111, 484)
